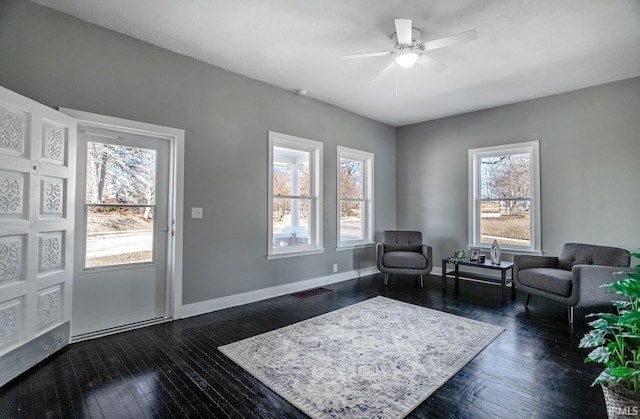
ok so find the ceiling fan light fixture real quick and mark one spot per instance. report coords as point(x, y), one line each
point(407, 59)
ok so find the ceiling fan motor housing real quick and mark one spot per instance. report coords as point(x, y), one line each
point(416, 36)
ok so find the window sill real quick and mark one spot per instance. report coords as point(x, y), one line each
point(340, 248)
point(506, 250)
point(294, 253)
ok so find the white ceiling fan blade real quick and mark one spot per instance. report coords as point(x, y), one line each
point(366, 55)
point(431, 64)
point(386, 71)
point(403, 31)
point(448, 41)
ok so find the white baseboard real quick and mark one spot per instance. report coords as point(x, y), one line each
point(215, 304)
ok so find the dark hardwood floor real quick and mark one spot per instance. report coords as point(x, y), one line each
point(533, 370)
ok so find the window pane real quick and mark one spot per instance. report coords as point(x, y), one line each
point(351, 184)
point(291, 172)
point(295, 196)
point(118, 235)
point(351, 227)
point(503, 219)
point(507, 176)
point(290, 222)
point(120, 174)
point(507, 221)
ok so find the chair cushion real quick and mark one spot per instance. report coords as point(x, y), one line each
point(409, 241)
point(588, 254)
point(407, 260)
point(555, 281)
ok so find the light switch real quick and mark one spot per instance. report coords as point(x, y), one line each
point(196, 212)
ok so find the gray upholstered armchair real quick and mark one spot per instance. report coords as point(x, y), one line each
point(574, 278)
point(402, 252)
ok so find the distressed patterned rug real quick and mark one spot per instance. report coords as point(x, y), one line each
point(379, 358)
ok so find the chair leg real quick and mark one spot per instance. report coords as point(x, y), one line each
point(421, 281)
point(386, 278)
point(570, 312)
point(527, 299)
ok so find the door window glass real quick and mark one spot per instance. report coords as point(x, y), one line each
point(119, 204)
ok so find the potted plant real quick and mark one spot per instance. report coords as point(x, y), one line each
point(616, 339)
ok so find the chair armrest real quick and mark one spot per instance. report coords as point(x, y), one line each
point(379, 253)
point(588, 279)
point(521, 262)
point(427, 251)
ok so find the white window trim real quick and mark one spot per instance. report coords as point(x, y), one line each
point(315, 223)
point(368, 160)
point(475, 154)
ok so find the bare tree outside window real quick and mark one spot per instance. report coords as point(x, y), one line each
point(351, 199)
point(120, 198)
point(120, 174)
point(355, 197)
point(291, 197)
point(505, 199)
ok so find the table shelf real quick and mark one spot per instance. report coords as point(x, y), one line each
point(478, 276)
point(458, 274)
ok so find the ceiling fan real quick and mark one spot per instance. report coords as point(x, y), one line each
point(409, 50)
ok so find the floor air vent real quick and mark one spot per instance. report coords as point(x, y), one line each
point(310, 293)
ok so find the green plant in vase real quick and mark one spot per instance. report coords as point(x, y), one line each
point(616, 339)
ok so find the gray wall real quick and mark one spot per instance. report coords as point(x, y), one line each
point(589, 165)
point(63, 62)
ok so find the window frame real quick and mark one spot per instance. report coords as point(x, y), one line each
point(474, 233)
point(315, 207)
point(367, 200)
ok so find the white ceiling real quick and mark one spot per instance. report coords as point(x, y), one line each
point(526, 48)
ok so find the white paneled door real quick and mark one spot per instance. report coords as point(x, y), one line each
point(37, 188)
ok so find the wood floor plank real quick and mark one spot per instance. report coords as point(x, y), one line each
point(534, 369)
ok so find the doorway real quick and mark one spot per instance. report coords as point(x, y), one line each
point(126, 252)
point(39, 203)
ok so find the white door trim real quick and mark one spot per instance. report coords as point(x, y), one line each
point(176, 191)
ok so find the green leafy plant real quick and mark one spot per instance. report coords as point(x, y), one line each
point(616, 337)
point(458, 255)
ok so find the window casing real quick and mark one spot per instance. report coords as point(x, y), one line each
point(504, 197)
point(295, 201)
point(355, 198)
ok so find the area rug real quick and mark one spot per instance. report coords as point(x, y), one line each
point(379, 358)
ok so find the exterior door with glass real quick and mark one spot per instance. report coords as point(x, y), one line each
point(122, 231)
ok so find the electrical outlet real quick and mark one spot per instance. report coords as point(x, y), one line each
point(196, 212)
point(335, 267)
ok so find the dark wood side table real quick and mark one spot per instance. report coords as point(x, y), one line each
point(503, 267)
